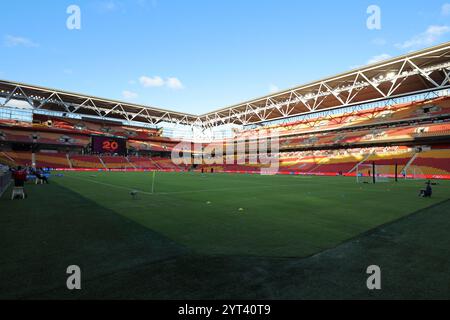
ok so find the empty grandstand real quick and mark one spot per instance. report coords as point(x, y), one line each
point(158, 201)
point(412, 135)
point(398, 118)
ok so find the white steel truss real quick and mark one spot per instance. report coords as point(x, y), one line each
point(423, 71)
point(420, 72)
point(39, 98)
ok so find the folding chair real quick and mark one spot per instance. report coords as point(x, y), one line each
point(18, 191)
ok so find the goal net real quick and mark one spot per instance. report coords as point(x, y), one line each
point(413, 172)
point(369, 173)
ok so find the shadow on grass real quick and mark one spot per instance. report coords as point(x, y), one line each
point(55, 228)
point(122, 260)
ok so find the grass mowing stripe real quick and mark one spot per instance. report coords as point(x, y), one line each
point(282, 216)
point(111, 185)
point(186, 192)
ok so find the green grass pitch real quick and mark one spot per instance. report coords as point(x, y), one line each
point(283, 216)
point(237, 225)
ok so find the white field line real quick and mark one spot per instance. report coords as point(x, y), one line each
point(184, 192)
point(109, 185)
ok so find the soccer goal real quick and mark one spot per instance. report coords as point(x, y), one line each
point(373, 173)
point(413, 172)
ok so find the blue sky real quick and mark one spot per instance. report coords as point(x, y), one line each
point(196, 56)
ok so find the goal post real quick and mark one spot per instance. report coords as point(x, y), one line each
point(374, 173)
point(364, 173)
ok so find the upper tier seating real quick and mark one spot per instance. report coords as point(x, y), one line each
point(400, 134)
point(156, 146)
point(25, 136)
point(91, 127)
point(408, 111)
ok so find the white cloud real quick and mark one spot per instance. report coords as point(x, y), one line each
point(425, 39)
point(445, 11)
point(129, 94)
point(273, 88)
point(174, 83)
point(378, 58)
point(156, 81)
point(13, 41)
point(148, 82)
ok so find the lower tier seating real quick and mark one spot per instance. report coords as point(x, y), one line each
point(418, 162)
point(52, 160)
point(117, 162)
point(432, 162)
point(143, 163)
point(86, 162)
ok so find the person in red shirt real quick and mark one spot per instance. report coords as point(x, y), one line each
point(19, 176)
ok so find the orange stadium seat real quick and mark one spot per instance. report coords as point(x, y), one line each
point(86, 162)
point(52, 160)
point(434, 162)
point(143, 163)
point(117, 162)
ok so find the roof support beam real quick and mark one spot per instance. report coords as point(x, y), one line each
point(422, 71)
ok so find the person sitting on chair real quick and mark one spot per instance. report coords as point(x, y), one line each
point(19, 176)
point(428, 192)
point(41, 176)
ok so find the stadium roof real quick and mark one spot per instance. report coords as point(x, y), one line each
point(75, 103)
point(416, 72)
point(421, 71)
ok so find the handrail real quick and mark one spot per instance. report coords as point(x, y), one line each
point(5, 181)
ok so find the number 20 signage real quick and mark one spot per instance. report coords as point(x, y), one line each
point(110, 146)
